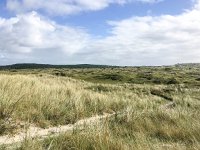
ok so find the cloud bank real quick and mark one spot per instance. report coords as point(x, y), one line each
point(147, 40)
point(151, 40)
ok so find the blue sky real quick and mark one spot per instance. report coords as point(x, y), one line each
point(95, 22)
point(114, 32)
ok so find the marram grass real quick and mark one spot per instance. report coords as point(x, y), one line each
point(144, 124)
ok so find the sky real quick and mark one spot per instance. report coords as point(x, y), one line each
point(109, 32)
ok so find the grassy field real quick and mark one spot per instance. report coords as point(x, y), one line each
point(159, 106)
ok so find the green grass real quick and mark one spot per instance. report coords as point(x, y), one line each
point(132, 75)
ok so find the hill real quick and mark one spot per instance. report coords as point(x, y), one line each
point(41, 66)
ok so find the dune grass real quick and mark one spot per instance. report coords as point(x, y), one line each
point(149, 129)
point(50, 100)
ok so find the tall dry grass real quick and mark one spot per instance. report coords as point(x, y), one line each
point(144, 124)
point(50, 100)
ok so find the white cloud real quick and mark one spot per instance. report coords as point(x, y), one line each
point(65, 7)
point(30, 32)
point(151, 40)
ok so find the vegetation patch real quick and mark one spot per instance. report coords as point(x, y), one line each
point(112, 77)
point(161, 94)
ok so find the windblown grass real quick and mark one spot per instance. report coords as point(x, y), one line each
point(150, 129)
point(52, 101)
point(144, 124)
